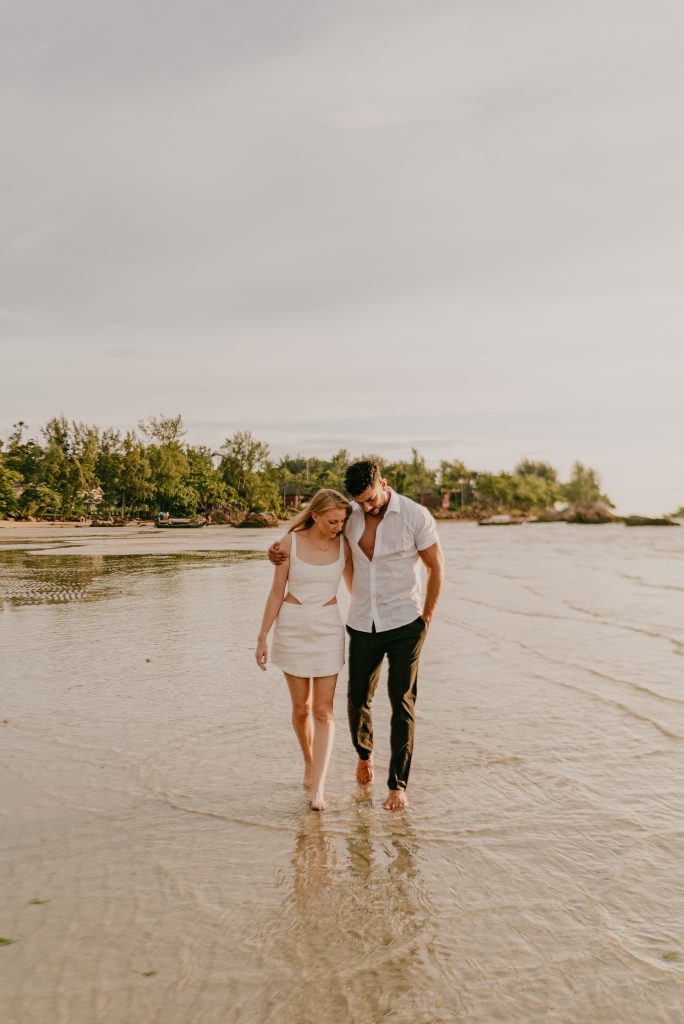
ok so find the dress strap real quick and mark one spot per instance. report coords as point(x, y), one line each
point(342, 548)
point(293, 549)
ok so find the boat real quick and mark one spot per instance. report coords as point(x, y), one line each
point(165, 522)
point(502, 520)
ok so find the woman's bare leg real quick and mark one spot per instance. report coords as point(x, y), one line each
point(324, 734)
point(301, 692)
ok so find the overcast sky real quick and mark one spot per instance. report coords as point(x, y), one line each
point(368, 224)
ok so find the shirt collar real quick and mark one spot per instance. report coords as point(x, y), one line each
point(393, 505)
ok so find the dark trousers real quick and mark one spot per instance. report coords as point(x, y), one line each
point(366, 651)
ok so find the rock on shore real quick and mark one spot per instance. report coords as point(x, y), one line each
point(595, 512)
point(259, 520)
point(649, 521)
point(226, 513)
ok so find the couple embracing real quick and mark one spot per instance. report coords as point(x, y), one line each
point(376, 542)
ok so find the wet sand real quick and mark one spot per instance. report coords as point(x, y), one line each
point(160, 862)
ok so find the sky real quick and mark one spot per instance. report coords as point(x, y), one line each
point(455, 225)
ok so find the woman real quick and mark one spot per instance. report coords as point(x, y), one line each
point(308, 639)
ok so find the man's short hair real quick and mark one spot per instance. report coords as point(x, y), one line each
point(361, 475)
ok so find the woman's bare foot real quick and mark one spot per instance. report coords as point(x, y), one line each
point(318, 803)
point(396, 800)
point(364, 772)
point(308, 774)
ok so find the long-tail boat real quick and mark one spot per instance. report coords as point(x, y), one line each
point(166, 522)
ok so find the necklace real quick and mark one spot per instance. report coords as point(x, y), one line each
point(324, 547)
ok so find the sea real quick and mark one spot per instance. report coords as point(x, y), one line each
point(161, 865)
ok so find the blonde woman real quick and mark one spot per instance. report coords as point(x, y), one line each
point(309, 635)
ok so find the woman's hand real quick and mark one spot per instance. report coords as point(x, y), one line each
point(261, 653)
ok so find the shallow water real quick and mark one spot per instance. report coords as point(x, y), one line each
point(151, 792)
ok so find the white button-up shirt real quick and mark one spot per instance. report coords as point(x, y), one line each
point(386, 590)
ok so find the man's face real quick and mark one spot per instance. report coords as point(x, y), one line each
point(374, 498)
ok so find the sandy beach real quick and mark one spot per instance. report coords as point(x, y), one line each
point(160, 862)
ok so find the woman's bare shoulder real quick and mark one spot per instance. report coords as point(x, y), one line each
point(347, 547)
point(285, 543)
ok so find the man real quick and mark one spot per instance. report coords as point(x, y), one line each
point(388, 535)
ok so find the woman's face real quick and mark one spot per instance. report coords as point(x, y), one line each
point(331, 522)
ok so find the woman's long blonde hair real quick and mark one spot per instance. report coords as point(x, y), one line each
point(322, 501)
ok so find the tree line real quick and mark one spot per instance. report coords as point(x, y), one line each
point(75, 469)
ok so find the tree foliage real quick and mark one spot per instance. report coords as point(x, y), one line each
point(248, 472)
point(74, 469)
point(544, 470)
point(10, 487)
point(584, 486)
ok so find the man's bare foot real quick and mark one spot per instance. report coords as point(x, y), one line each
point(396, 800)
point(318, 803)
point(364, 772)
point(308, 775)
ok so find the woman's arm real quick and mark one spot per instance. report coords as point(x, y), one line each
point(348, 565)
point(273, 603)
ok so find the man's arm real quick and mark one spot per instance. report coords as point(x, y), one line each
point(348, 565)
point(276, 555)
point(433, 560)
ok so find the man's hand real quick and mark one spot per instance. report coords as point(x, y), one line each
point(433, 560)
point(275, 555)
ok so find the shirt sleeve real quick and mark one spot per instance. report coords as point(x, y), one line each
point(426, 530)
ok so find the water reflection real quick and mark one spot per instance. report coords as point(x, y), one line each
point(29, 579)
point(353, 937)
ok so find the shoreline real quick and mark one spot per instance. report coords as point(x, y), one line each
point(57, 524)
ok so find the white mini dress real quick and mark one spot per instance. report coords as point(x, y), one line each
point(308, 638)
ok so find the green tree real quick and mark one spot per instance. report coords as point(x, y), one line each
point(533, 493)
point(58, 474)
point(205, 480)
point(455, 476)
point(85, 447)
point(135, 481)
point(10, 489)
point(411, 478)
point(584, 486)
point(163, 430)
point(452, 473)
point(69, 462)
point(514, 492)
point(308, 474)
point(495, 491)
point(334, 472)
point(24, 457)
point(247, 470)
point(544, 470)
point(109, 469)
point(42, 501)
point(168, 463)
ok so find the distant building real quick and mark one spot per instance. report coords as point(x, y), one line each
point(430, 499)
point(92, 498)
point(293, 494)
